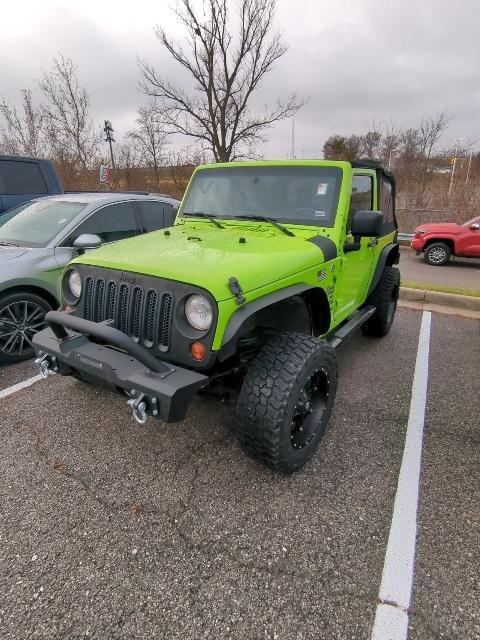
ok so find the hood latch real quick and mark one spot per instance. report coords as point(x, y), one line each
point(236, 289)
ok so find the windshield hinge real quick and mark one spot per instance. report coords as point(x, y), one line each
point(236, 289)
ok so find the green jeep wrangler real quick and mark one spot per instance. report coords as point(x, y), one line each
point(268, 268)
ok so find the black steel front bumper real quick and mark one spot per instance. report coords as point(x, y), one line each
point(103, 355)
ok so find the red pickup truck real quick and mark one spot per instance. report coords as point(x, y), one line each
point(440, 240)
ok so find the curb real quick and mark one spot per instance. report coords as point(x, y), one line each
point(439, 301)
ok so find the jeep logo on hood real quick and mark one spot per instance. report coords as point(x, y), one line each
point(126, 277)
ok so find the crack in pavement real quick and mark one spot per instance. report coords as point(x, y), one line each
point(273, 571)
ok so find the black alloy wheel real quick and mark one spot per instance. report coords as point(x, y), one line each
point(309, 409)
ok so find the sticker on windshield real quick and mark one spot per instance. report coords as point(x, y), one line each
point(320, 214)
point(322, 188)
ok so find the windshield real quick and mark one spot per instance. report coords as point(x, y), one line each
point(472, 221)
point(37, 223)
point(299, 194)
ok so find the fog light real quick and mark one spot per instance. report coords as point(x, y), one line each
point(197, 351)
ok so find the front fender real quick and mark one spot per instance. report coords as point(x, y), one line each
point(241, 316)
point(35, 284)
point(447, 238)
point(389, 256)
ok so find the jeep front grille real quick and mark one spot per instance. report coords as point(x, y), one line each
point(145, 315)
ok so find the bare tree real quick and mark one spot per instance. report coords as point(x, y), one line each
point(181, 165)
point(23, 133)
point(226, 70)
point(128, 159)
point(342, 147)
point(69, 127)
point(371, 144)
point(150, 138)
point(430, 132)
point(390, 145)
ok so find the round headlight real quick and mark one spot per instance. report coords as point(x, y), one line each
point(75, 283)
point(199, 312)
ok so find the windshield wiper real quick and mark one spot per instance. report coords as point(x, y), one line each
point(273, 221)
point(207, 216)
point(8, 244)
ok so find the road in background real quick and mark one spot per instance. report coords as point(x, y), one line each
point(110, 530)
point(459, 272)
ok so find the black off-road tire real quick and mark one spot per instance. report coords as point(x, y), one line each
point(437, 254)
point(277, 382)
point(384, 297)
point(22, 305)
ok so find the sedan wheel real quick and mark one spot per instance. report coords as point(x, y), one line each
point(21, 316)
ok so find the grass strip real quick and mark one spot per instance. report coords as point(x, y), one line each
point(443, 288)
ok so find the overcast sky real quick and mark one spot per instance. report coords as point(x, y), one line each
point(357, 61)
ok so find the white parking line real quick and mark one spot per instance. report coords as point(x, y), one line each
point(391, 618)
point(20, 385)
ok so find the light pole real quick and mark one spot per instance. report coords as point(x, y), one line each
point(293, 138)
point(109, 138)
point(468, 168)
point(457, 142)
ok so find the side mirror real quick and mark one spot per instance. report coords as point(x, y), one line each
point(87, 241)
point(367, 224)
point(475, 226)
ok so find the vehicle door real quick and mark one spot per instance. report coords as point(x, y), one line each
point(468, 244)
point(155, 214)
point(20, 180)
point(356, 266)
point(111, 223)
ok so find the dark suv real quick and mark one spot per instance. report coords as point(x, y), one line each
point(23, 179)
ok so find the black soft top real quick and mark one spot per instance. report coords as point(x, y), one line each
point(383, 176)
point(373, 164)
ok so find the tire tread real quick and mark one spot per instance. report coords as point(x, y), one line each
point(381, 298)
point(265, 395)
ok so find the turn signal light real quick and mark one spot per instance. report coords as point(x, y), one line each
point(68, 308)
point(197, 351)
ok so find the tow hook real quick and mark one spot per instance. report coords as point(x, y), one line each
point(139, 408)
point(43, 363)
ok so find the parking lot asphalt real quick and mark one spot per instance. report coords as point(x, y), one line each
point(446, 600)
point(111, 530)
point(13, 374)
point(459, 272)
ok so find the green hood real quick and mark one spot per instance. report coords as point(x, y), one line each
point(206, 256)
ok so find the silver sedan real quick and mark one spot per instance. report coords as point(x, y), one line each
point(39, 238)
